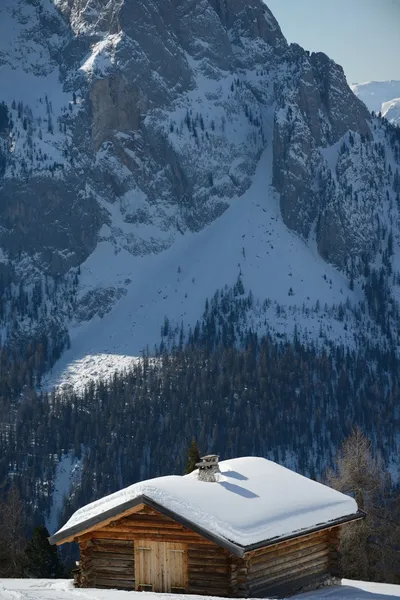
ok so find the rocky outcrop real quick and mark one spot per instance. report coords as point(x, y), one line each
point(316, 108)
point(51, 221)
point(115, 106)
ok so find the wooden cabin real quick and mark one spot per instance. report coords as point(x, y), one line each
point(245, 527)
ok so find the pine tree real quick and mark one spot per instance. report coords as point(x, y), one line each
point(42, 559)
point(193, 457)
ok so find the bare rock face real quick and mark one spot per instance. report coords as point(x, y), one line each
point(115, 106)
point(49, 220)
point(316, 108)
point(338, 104)
point(253, 21)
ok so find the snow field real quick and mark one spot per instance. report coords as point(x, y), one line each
point(62, 589)
point(249, 240)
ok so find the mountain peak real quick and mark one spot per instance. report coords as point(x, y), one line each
point(380, 96)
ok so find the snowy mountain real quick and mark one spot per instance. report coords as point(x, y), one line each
point(381, 96)
point(391, 111)
point(134, 184)
point(160, 163)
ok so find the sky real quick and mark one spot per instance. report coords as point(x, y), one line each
point(361, 35)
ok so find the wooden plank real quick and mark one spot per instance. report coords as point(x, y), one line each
point(132, 538)
point(140, 531)
point(301, 539)
point(211, 571)
point(112, 574)
point(294, 569)
point(288, 574)
point(295, 563)
point(298, 540)
point(113, 555)
point(186, 568)
point(148, 522)
point(289, 588)
point(116, 566)
point(281, 560)
point(279, 549)
point(174, 556)
point(143, 563)
point(115, 584)
point(207, 548)
point(115, 543)
point(208, 588)
point(270, 556)
point(199, 575)
point(205, 562)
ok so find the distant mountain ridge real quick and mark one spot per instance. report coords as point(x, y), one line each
point(381, 96)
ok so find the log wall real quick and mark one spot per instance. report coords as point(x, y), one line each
point(209, 570)
point(207, 566)
point(108, 560)
point(284, 569)
point(107, 563)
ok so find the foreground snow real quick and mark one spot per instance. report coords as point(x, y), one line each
point(62, 589)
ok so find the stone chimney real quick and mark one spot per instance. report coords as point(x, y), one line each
point(208, 468)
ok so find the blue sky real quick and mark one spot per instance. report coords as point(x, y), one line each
point(361, 35)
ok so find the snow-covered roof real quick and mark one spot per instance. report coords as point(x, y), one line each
point(254, 500)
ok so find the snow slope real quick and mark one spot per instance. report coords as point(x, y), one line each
point(391, 110)
point(252, 501)
point(68, 472)
point(249, 239)
point(62, 589)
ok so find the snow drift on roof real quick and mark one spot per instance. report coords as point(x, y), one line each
point(254, 500)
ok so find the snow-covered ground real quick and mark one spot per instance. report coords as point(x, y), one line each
point(62, 589)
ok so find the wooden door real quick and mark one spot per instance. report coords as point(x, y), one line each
point(175, 567)
point(160, 566)
point(144, 565)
